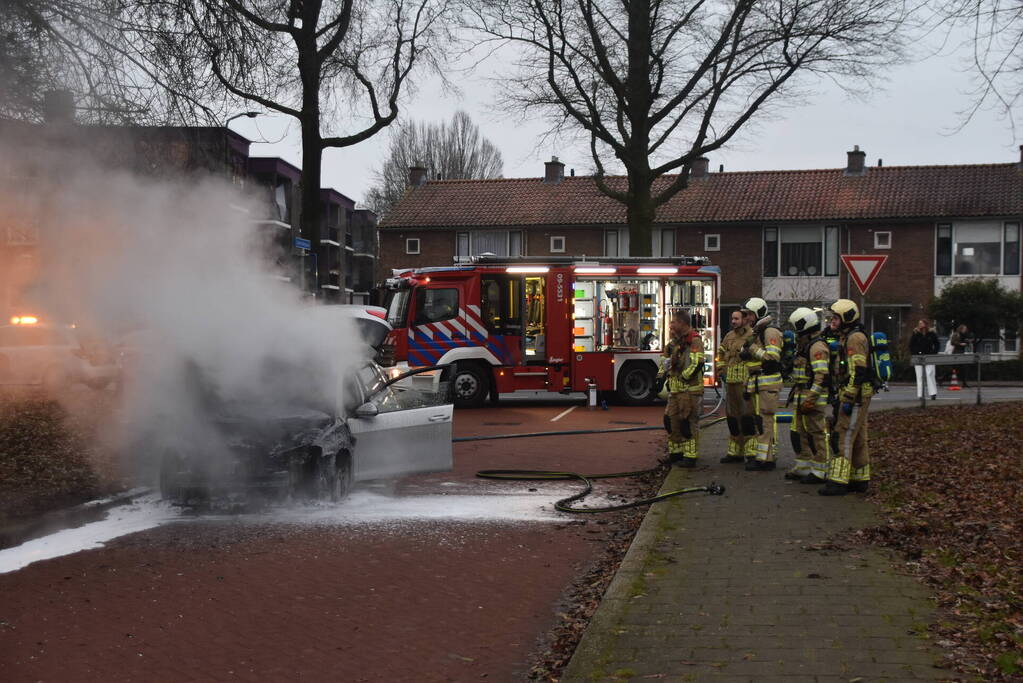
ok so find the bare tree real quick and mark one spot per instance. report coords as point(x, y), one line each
point(656, 84)
point(323, 62)
point(85, 47)
point(448, 150)
point(995, 47)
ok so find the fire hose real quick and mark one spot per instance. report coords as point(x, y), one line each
point(564, 505)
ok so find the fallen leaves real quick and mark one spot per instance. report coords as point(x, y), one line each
point(950, 485)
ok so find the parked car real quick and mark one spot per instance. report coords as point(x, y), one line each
point(378, 430)
point(54, 356)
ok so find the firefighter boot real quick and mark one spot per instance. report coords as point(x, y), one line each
point(833, 489)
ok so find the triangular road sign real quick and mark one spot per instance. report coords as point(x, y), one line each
point(863, 268)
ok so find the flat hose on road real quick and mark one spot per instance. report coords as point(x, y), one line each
point(564, 505)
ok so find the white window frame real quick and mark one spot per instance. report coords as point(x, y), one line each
point(408, 245)
point(659, 238)
point(561, 249)
point(710, 238)
point(827, 234)
point(884, 242)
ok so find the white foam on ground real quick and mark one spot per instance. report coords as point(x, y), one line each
point(146, 513)
point(362, 508)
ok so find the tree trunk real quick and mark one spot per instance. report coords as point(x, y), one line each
point(312, 144)
point(639, 214)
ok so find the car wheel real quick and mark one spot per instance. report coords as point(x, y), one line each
point(471, 384)
point(334, 476)
point(636, 384)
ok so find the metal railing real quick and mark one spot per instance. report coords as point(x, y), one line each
point(961, 359)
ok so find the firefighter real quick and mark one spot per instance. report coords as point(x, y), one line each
point(811, 377)
point(763, 350)
point(849, 466)
point(682, 370)
point(735, 372)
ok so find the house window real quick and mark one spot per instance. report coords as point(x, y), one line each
point(282, 201)
point(801, 251)
point(831, 236)
point(412, 245)
point(667, 243)
point(712, 242)
point(610, 243)
point(882, 239)
point(943, 250)
point(1011, 266)
point(978, 248)
point(557, 245)
point(770, 252)
point(515, 243)
point(462, 246)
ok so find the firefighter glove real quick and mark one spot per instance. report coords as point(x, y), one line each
point(745, 354)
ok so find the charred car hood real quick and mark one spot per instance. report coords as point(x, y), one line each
point(272, 426)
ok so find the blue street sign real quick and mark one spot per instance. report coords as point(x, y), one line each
point(303, 244)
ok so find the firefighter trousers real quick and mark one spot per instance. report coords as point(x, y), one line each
point(764, 446)
point(683, 413)
point(742, 426)
point(809, 439)
point(851, 458)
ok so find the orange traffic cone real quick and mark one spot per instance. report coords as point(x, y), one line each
point(954, 384)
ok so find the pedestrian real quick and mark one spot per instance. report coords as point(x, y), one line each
point(682, 370)
point(961, 340)
point(734, 373)
point(924, 342)
point(810, 398)
point(849, 466)
point(763, 352)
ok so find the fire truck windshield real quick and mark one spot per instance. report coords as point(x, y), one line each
point(397, 307)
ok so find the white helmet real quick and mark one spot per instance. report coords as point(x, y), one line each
point(805, 321)
point(757, 307)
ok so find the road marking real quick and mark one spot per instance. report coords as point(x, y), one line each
point(563, 413)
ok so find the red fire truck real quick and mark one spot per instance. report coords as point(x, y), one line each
point(560, 325)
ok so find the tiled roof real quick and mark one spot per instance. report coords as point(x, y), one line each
point(752, 196)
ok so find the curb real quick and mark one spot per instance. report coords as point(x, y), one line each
point(600, 634)
point(16, 533)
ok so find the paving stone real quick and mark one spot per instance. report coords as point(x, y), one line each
point(743, 599)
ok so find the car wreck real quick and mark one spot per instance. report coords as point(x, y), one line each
point(296, 448)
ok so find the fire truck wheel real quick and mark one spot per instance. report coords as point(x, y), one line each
point(471, 385)
point(636, 383)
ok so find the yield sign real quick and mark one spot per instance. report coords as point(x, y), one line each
point(863, 268)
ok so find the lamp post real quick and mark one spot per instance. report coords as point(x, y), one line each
point(247, 114)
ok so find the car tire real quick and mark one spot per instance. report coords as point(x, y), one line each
point(636, 384)
point(334, 477)
point(470, 385)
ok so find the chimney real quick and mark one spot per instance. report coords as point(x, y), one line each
point(700, 168)
point(59, 107)
point(554, 171)
point(416, 176)
point(856, 161)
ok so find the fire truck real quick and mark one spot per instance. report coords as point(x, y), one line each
point(556, 324)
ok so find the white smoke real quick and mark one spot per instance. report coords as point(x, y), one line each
point(178, 272)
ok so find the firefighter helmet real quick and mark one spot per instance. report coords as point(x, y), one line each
point(805, 321)
point(846, 310)
point(757, 307)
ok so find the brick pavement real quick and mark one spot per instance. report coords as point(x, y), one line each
point(740, 588)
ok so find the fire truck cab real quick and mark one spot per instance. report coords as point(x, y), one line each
point(561, 325)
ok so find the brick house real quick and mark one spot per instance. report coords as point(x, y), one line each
point(775, 234)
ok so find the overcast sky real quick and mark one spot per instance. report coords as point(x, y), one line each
point(912, 120)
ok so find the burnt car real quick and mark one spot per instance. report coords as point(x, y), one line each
point(374, 427)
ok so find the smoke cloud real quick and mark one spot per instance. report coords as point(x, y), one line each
point(178, 273)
